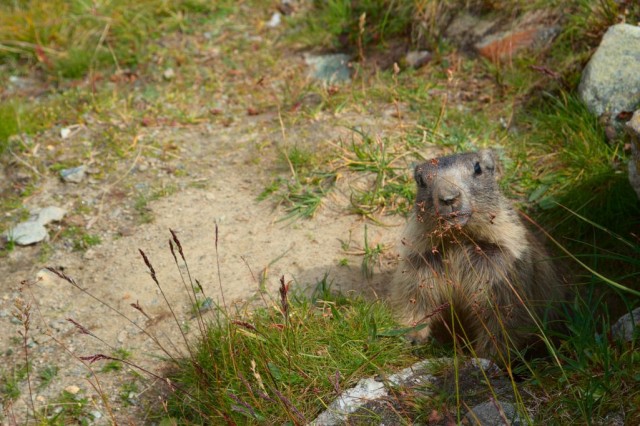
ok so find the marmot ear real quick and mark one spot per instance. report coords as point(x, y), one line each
point(489, 161)
point(418, 176)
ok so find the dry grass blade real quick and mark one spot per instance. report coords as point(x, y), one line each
point(166, 300)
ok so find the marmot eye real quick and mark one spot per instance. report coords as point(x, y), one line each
point(477, 170)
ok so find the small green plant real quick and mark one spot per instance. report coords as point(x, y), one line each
point(10, 382)
point(370, 255)
point(70, 408)
point(80, 239)
point(47, 374)
point(129, 393)
point(145, 215)
point(115, 364)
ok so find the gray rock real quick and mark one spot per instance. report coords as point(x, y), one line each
point(47, 215)
point(329, 69)
point(493, 413)
point(27, 233)
point(73, 175)
point(625, 327)
point(611, 80)
point(633, 127)
point(466, 29)
point(417, 59)
point(350, 401)
point(371, 389)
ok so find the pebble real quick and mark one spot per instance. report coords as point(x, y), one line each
point(329, 69)
point(72, 389)
point(73, 175)
point(45, 278)
point(169, 74)
point(418, 59)
point(275, 20)
point(90, 254)
point(122, 336)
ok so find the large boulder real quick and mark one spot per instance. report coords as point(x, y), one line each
point(611, 80)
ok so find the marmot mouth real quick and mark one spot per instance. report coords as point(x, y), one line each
point(457, 218)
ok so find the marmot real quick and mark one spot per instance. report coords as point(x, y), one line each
point(468, 265)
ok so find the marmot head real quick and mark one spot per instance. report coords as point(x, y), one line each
point(457, 190)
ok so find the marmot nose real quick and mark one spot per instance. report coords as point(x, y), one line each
point(449, 197)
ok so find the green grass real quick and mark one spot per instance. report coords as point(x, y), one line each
point(277, 364)
point(70, 38)
point(565, 159)
point(280, 363)
point(17, 117)
point(595, 376)
point(354, 24)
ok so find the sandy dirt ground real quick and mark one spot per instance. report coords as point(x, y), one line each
point(254, 244)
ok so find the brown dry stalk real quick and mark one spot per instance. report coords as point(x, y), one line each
point(284, 301)
point(164, 296)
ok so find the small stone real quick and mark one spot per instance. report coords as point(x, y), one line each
point(329, 69)
point(122, 336)
point(41, 399)
point(73, 175)
point(49, 214)
point(275, 20)
point(27, 233)
point(169, 74)
point(95, 414)
point(65, 132)
point(72, 389)
point(625, 328)
point(90, 254)
point(418, 59)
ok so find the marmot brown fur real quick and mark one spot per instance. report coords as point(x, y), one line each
point(468, 265)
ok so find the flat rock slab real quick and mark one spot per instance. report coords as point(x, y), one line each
point(376, 401)
point(27, 233)
point(47, 215)
point(33, 230)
